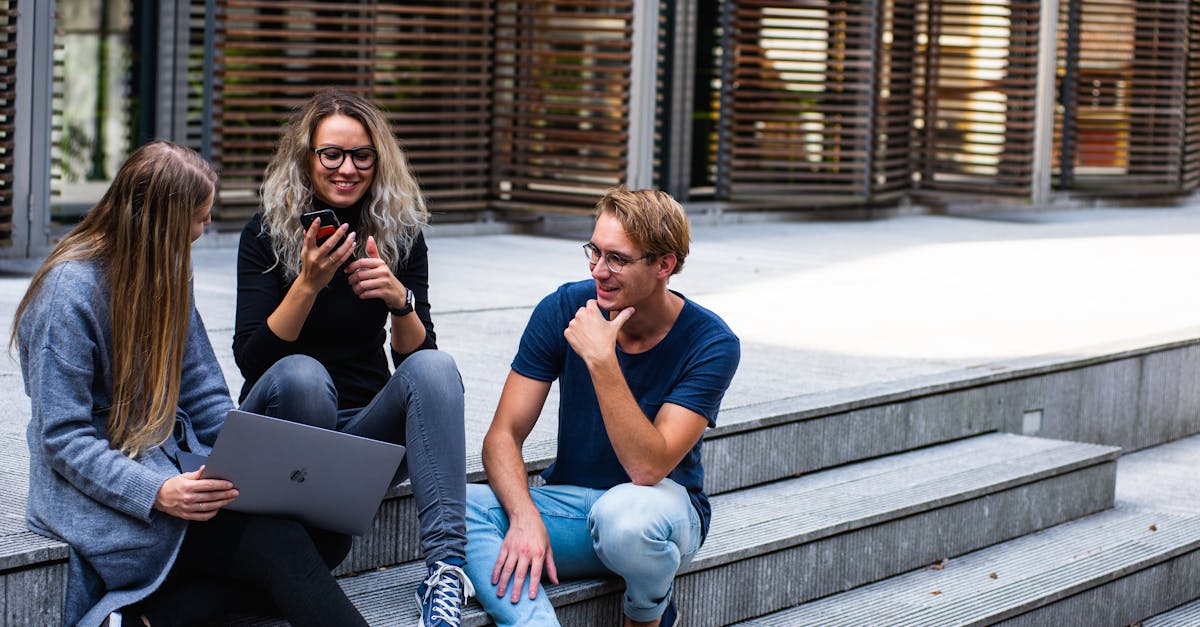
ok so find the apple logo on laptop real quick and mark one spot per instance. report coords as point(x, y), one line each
point(299, 475)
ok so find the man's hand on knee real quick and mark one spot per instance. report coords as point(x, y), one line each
point(526, 551)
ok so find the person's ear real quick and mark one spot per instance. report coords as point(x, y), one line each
point(666, 265)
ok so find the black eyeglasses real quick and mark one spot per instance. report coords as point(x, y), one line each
point(616, 263)
point(332, 157)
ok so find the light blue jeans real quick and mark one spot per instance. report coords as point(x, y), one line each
point(643, 534)
point(421, 407)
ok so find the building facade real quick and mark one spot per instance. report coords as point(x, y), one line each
point(517, 107)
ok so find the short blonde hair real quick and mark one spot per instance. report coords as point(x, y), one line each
point(654, 220)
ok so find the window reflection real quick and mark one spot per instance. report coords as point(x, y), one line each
point(93, 107)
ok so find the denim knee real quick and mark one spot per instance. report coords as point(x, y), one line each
point(430, 369)
point(619, 520)
point(299, 377)
point(634, 526)
point(296, 388)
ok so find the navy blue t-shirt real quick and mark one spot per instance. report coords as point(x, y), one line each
point(691, 367)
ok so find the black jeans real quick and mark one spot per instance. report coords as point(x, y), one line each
point(237, 562)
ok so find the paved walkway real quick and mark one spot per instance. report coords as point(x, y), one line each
point(820, 306)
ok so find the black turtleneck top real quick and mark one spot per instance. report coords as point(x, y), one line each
point(343, 332)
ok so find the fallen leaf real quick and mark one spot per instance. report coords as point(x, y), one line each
point(993, 575)
point(1153, 527)
point(936, 592)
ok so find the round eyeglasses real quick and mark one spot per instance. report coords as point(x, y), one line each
point(616, 263)
point(332, 157)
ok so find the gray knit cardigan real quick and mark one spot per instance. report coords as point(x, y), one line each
point(81, 491)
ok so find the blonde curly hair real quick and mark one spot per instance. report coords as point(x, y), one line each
point(394, 210)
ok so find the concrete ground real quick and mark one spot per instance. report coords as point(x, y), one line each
point(819, 306)
point(1162, 478)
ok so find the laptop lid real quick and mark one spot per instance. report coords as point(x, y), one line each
point(320, 477)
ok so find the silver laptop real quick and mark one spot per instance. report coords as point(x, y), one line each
point(320, 477)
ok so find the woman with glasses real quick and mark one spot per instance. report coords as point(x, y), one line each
point(315, 306)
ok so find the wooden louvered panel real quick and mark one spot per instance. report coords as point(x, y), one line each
point(560, 128)
point(433, 75)
point(1156, 103)
point(892, 165)
point(1065, 142)
point(1126, 102)
point(426, 64)
point(561, 116)
point(977, 74)
point(249, 104)
point(195, 69)
point(798, 113)
point(8, 70)
point(821, 97)
point(1190, 169)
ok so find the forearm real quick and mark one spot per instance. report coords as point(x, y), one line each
point(505, 468)
point(85, 459)
point(408, 333)
point(639, 446)
point(526, 548)
point(288, 318)
point(66, 433)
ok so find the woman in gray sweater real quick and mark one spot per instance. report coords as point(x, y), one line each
point(122, 377)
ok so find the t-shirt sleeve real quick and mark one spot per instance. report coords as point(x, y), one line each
point(543, 348)
point(709, 372)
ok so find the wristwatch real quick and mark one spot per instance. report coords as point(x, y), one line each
point(406, 309)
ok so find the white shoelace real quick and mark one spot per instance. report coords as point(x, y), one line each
point(449, 593)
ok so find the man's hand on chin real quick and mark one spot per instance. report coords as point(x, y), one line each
point(592, 336)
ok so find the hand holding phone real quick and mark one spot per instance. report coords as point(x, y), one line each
point(329, 222)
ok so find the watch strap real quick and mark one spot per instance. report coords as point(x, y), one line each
point(408, 305)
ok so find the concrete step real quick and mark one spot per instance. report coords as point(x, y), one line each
point(1162, 478)
point(1186, 615)
point(33, 576)
point(787, 439)
point(779, 544)
point(1112, 568)
point(33, 568)
point(753, 445)
point(756, 445)
point(786, 442)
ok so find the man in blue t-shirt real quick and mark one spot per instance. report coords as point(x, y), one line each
point(641, 373)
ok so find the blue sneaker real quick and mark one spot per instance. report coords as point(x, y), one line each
point(441, 596)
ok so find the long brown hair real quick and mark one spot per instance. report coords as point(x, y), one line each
point(394, 210)
point(140, 234)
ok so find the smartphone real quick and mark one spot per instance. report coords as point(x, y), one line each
point(329, 222)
